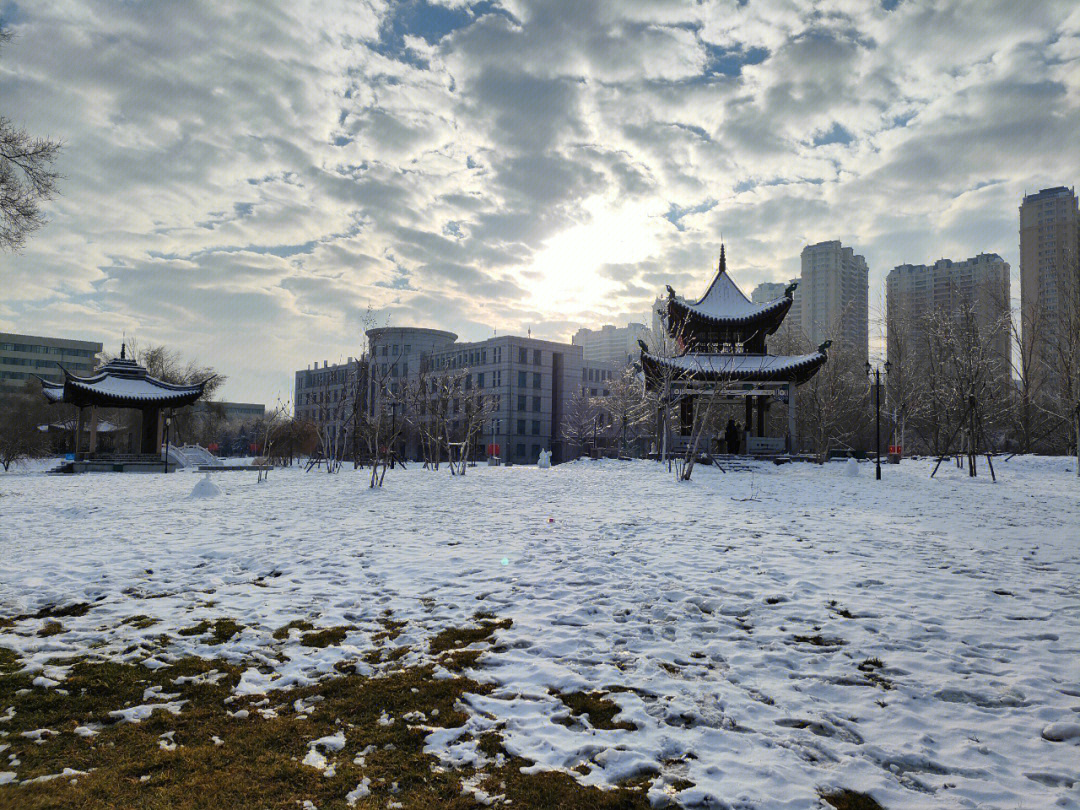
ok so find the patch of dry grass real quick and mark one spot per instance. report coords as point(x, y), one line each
point(257, 760)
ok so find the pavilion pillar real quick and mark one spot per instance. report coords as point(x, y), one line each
point(93, 429)
point(761, 403)
point(792, 449)
point(78, 430)
point(749, 427)
point(150, 432)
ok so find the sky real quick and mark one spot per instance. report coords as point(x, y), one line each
point(255, 184)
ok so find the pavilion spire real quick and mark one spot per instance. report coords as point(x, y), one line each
point(723, 261)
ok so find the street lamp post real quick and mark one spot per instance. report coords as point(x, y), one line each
point(168, 422)
point(877, 407)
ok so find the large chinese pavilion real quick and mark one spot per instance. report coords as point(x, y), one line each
point(121, 383)
point(719, 341)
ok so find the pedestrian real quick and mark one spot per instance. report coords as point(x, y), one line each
point(731, 436)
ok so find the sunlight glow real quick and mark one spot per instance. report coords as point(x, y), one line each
point(568, 275)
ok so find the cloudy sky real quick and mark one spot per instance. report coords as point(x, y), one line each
point(246, 181)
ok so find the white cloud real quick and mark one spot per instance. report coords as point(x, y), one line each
point(243, 181)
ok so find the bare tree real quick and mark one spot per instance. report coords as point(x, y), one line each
point(21, 416)
point(968, 372)
point(581, 419)
point(27, 178)
point(626, 407)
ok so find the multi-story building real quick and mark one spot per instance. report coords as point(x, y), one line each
point(527, 382)
point(532, 382)
point(231, 411)
point(1049, 275)
point(916, 291)
point(25, 356)
point(324, 396)
point(771, 290)
point(610, 344)
point(834, 295)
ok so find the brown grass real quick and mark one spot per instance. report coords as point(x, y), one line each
point(259, 760)
point(850, 800)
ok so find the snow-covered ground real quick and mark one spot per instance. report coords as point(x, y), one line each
point(686, 601)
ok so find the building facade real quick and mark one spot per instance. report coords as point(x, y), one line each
point(612, 345)
point(915, 291)
point(231, 411)
point(527, 383)
point(771, 290)
point(23, 357)
point(1049, 276)
point(834, 295)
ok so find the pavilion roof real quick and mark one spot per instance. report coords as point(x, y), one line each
point(724, 304)
point(121, 383)
point(735, 367)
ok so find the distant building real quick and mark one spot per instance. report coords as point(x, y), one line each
point(768, 291)
point(232, 411)
point(771, 290)
point(529, 380)
point(834, 293)
point(1049, 273)
point(914, 291)
point(532, 382)
point(610, 344)
point(24, 356)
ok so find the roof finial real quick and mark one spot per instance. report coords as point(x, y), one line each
point(723, 260)
point(123, 347)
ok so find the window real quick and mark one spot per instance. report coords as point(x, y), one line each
point(521, 427)
point(480, 380)
point(523, 379)
point(536, 379)
point(384, 350)
point(523, 356)
point(457, 405)
point(537, 357)
point(536, 427)
point(395, 350)
point(483, 357)
point(520, 450)
point(521, 402)
point(536, 451)
point(536, 404)
point(584, 374)
point(498, 378)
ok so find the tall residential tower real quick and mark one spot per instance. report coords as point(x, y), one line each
point(1049, 277)
point(834, 294)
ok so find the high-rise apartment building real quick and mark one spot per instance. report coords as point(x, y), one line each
point(610, 344)
point(1049, 275)
point(834, 295)
point(979, 285)
point(25, 356)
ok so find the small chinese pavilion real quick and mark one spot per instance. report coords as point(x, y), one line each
point(720, 341)
point(121, 383)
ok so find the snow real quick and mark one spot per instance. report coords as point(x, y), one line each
point(205, 488)
point(748, 641)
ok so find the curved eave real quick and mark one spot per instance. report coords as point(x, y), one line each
point(739, 368)
point(768, 317)
point(81, 393)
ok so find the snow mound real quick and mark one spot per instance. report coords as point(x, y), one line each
point(1060, 732)
point(205, 488)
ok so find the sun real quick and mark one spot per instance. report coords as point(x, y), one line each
point(568, 274)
